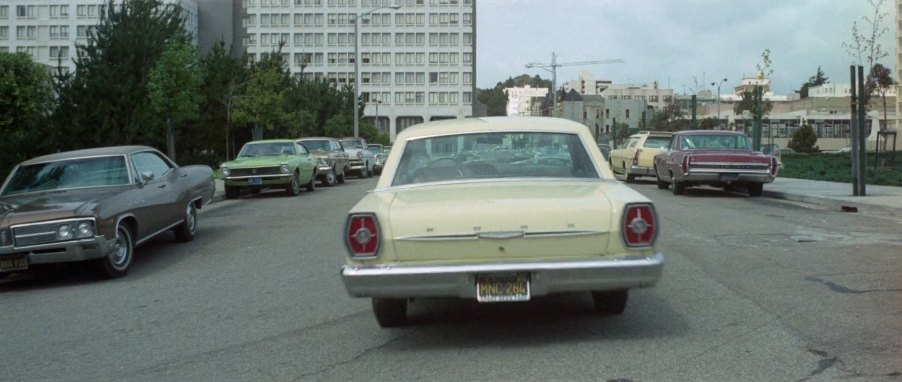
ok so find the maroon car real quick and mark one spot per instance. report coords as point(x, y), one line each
point(713, 158)
point(97, 205)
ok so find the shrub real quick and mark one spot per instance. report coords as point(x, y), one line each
point(803, 140)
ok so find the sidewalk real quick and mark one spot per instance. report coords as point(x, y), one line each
point(878, 200)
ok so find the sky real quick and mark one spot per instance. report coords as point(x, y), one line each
point(684, 45)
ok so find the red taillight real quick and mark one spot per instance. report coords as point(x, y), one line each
point(639, 225)
point(636, 157)
point(685, 164)
point(362, 235)
point(773, 165)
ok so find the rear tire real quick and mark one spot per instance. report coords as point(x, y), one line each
point(312, 185)
point(662, 185)
point(185, 232)
point(610, 302)
point(677, 188)
point(390, 312)
point(756, 189)
point(341, 177)
point(630, 178)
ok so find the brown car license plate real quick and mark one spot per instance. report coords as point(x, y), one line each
point(15, 262)
point(502, 288)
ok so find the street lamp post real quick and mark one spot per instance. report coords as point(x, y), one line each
point(357, 65)
point(718, 99)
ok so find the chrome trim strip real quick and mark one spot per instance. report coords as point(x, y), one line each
point(499, 235)
point(151, 236)
point(495, 180)
point(258, 176)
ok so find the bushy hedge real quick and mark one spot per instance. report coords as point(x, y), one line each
point(838, 168)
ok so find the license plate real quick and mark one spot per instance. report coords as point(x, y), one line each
point(254, 181)
point(729, 177)
point(15, 262)
point(502, 288)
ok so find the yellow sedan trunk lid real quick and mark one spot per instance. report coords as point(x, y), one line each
point(506, 220)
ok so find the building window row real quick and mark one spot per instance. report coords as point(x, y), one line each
point(273, 39)
point(444, 19)
point(444, 98)
point(340, 39)
point(410, 19)
point(410, 39)
point(82, 11)
point(4, 33)
point(309, 39)
point(26, 32)
point(410, 58)
point(59, 32)
point(410, 78)
point(301, 59)
point(375, 39)
point(376, 78)
point(26, 11)
point(59, 11)
point(354, 3)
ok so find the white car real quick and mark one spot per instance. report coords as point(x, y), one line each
point(498, 209)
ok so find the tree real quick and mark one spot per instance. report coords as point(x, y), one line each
point(880, 81)
point(26, 99)
point(803, 140)
point(669, 119)
point(174, 86)
point(106, 102)
point(262, 104)
point(224, 82)
point(748, 103)
point(868, 44)
point(817, 79)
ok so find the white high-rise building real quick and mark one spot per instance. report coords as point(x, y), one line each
point(417, 62)
point(49, 30)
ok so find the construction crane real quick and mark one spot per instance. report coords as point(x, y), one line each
point(553, 69)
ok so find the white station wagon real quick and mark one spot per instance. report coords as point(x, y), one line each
point(498, 209)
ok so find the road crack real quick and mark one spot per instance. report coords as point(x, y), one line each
point(845, 290)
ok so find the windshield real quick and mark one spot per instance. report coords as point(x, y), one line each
point(352, 144)
point(494, 155)
point(316, 144)
point(67, 174)
point(267, 149)
point(716, 142)
point(657, 142)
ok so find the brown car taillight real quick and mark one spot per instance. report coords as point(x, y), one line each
point(685, 164)
point(639, 225)
point(773, 165)
point(636, 157)
point(362, 235)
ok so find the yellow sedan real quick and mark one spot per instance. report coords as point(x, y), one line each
point(498, 209)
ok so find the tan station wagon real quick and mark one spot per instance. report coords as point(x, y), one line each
point(637, 156)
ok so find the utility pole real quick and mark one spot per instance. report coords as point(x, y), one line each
point(552, 67)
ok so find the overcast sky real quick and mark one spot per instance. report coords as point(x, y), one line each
point(679, 43)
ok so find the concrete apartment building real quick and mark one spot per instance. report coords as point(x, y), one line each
point(417, 62)
point(49, 30)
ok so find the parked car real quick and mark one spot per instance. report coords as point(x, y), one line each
point(637, 156)
point(97, 205)
point(362, 160)
point(274, 163)
point(331, 159)
point(714, 158)
point(498, 210)
point(379, 151)
point(605, 150)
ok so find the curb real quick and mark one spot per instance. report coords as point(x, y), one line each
point(839, 205)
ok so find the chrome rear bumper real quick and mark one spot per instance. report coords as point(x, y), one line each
point(459, 280)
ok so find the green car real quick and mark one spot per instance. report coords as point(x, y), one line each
point(274, 163)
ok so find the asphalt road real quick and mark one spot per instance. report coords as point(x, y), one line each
point(754, 289)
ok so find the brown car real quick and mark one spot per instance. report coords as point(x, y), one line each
point(331, 159)
point(98, 205)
